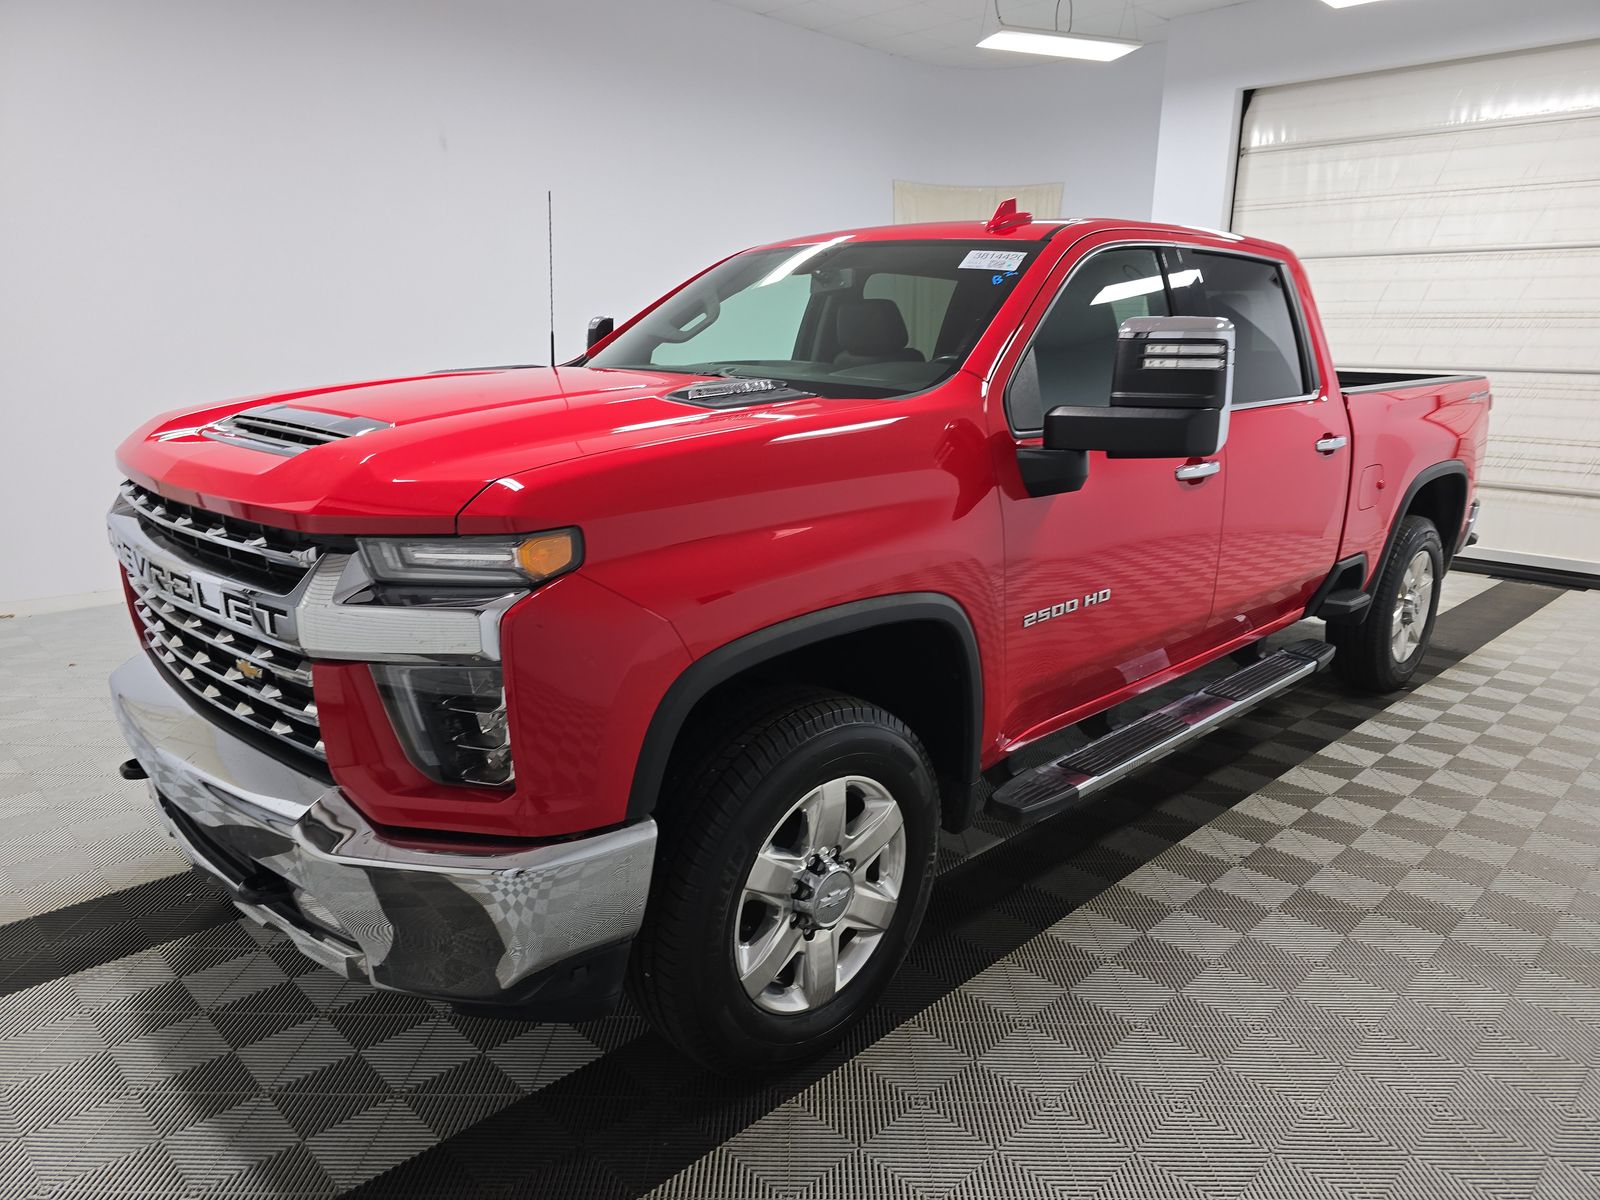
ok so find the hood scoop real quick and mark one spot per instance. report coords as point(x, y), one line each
point(285, 430)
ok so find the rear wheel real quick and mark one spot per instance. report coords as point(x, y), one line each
point(1382, 652)
point(796, 859)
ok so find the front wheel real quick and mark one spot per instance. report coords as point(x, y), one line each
point(1383, 652)
point(796, 859)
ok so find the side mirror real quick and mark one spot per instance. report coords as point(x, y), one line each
point(1170, 389)
point(599, 330)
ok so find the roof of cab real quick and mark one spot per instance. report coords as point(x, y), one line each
point(1032, 231)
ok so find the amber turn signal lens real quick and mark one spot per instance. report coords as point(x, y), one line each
point(547, 554)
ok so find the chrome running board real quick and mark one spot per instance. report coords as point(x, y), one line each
point(1059, 785)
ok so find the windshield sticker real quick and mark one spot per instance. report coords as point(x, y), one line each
point(994, 260)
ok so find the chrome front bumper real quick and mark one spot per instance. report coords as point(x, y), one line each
point(295, 854)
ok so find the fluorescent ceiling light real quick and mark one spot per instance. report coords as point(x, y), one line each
point(1347, 3)
point(1058, 45)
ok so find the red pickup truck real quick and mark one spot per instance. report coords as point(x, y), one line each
point(663, 667)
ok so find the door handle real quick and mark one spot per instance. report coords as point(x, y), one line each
point(1329, 444)
point(1192, 472)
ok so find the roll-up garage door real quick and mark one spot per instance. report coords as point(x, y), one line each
point(1449, 218)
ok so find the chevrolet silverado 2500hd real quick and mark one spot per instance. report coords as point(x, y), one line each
point(663, 667)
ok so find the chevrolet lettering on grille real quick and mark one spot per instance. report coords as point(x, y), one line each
point(235, 607)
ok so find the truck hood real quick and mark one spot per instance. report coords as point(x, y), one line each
point(443, 438)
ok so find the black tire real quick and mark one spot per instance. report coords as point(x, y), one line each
point(720, 806)
point(1366, 656)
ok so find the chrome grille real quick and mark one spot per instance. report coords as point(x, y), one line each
point(263, 684)
point(262, 554)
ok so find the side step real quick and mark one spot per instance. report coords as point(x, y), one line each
point(1062, 784)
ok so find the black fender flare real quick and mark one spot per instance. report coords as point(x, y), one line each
point(1422, 478)
point(740, 655)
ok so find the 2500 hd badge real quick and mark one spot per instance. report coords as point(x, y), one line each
point(1065, 607)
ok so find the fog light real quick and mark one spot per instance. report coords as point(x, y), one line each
point(451, 721)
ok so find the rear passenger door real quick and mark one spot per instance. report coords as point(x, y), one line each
point(1286, 465)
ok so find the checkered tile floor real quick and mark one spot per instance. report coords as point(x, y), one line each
point(1343, 948)
point(73, 829)
point(1379, 975)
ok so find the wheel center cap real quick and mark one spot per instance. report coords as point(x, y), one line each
point(826, 892)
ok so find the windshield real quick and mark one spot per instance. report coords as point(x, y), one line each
point(838, 318)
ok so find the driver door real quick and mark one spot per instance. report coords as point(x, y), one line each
point(1112, 584)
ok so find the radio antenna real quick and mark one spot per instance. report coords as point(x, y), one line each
point(550, 256)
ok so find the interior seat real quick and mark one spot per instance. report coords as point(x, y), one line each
point(873, 331)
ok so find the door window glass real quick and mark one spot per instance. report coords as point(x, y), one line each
point(1253, 295)
point(1075, 348)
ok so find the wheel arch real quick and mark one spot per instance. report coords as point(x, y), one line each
point(896, 625)
point(1439, 493)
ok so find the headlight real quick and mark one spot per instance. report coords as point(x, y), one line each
point(512, 561)
point(451, 720)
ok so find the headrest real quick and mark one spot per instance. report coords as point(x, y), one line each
point(871, 328)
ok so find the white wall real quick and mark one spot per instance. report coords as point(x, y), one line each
point(205, 198)
point(1091, 126)
point(1212, 58)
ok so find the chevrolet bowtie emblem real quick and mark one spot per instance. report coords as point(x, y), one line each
point(248, 669)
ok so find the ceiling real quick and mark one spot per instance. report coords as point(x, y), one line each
point(944, 32)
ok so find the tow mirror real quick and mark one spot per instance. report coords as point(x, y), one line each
point(1170, 389)
point(599, 330)
point(1171, 385)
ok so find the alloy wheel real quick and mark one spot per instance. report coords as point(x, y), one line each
point(1411, 607)
point(820, 895)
